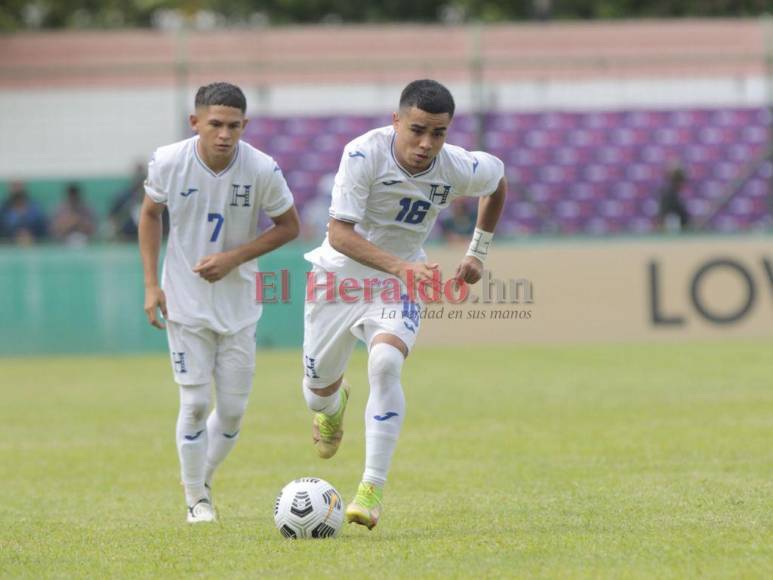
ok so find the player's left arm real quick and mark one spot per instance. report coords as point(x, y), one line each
point(490, 208)
point(216, 266)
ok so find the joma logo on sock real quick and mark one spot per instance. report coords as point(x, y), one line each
point(385, 417)
point(195, 436)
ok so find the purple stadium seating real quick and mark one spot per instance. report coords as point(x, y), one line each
point(572, 172)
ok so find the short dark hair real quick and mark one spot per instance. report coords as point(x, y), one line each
point(223, 94)
point(429, 96)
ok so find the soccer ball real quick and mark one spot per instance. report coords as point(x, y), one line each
point(309, 508)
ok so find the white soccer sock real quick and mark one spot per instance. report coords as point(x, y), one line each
point(223, 428)
point(192, 439)
point(328, 405)
point(384, 412)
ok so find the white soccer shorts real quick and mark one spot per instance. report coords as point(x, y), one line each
point(198, 354)
point(331, 330)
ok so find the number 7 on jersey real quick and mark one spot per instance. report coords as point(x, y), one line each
point(218, 218)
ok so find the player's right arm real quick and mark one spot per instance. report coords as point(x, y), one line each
point(345, 239)
point(150, 232)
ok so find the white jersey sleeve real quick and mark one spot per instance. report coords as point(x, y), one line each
point(352, 184)
point(156, 184)
point(277, 197)
point(485, 172)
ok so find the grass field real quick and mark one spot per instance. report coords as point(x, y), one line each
point(613, 462)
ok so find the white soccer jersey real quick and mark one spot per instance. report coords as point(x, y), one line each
point(392, 208)
point(212, 213)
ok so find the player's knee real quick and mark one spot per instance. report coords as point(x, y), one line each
point(195, 412)
point(194, 403)
point(232, 411)
point(385, 360)
point(231, 417)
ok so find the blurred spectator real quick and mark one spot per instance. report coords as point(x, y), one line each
point(315, 213)
point(542, 9)
point(124, 214)
point(672, 213)
point(458, 223)
point(73, 222)
point(21, 219)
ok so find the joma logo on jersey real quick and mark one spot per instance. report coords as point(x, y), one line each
point(435, 195)
point(237, 197)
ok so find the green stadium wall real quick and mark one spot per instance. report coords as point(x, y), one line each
point(59, 300)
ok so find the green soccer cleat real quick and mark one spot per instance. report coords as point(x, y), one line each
point(366, 507)
point(327, 430)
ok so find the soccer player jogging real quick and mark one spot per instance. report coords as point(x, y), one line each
point(214, 186)
point(390, 186)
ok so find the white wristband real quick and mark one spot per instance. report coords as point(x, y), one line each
point(480, 244)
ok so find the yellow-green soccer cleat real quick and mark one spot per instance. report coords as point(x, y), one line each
point(366, 507)
point(327, 430)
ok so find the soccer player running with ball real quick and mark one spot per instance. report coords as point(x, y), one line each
point(391, 184)
point(214, 186)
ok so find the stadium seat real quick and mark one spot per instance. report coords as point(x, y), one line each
point(593, 172)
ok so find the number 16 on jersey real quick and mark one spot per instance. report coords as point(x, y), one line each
point(412, 213)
